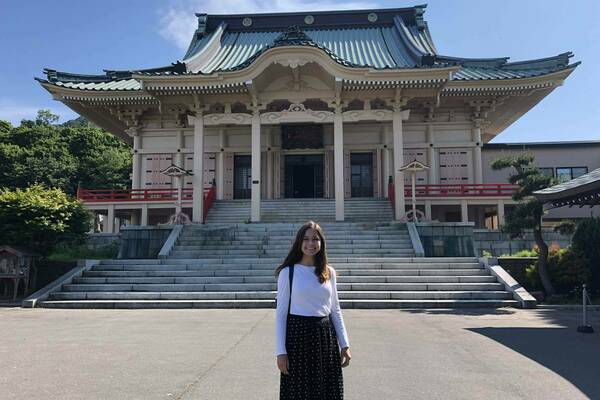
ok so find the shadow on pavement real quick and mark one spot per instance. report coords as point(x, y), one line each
point(570, 354)
point(461, 311)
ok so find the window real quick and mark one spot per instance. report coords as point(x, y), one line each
point(548, 171)
point(578, 171)
point(567, 173)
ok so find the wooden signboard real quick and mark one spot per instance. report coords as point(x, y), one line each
point(302, 136)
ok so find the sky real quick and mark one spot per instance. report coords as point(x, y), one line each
point(85, 36)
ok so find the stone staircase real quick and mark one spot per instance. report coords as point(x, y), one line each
point(232, 266)
point(301, 210)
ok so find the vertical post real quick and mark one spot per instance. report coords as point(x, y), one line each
point(428, 210)
point(136, 167)
point(198, 177)
point(180, 162)
point(398, 116)
point(386, 171)
point(464, 211)
point(110, 219)
point(338, 162)
point(255, 165)
point(584, 295)
point(221, 165)
point(500, 213)
point(144, 216)
point(269, 165)
point(431, 156)
point(477, 162)
point(414, 196)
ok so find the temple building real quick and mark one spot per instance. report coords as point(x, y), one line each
point(320, 105)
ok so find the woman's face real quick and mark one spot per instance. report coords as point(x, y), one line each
point(311, 242)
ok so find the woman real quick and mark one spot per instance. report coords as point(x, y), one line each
point(310, 323)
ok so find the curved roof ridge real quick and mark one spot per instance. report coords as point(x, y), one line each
point(558, 61)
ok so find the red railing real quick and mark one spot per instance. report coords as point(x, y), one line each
point(480, 190)
point(113, 195)
point(209, 198)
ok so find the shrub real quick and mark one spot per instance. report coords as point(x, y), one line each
point(586, 244)
point(39, 218)
point(568, 269)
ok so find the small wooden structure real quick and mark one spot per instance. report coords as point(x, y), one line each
point(15, 266)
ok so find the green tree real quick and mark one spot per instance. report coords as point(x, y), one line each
point(63, 156)
point(528, 213)
point(40, 218)
point(46, 117)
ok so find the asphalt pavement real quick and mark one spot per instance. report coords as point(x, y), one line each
point(229, 354)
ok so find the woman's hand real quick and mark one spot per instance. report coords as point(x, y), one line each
point(283, 363)
point(346, 357)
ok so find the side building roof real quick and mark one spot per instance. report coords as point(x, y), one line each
point(379, 39)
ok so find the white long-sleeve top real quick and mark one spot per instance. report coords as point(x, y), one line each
point(309, 298)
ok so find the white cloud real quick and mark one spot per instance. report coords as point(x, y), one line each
point(15, 112)
point(178, 22)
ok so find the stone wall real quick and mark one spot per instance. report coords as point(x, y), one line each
point(446, 239)
point(143, 241)
point(498, 243)
point(97, 241)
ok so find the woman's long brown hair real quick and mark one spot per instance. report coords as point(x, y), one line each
point(295, 254)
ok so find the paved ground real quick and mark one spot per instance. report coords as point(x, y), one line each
point(227, 354)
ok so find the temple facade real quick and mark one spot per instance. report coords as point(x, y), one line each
point(324, 105)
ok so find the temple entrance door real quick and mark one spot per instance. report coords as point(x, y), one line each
point(242, 177)
point(361, 180)
point(304, 176)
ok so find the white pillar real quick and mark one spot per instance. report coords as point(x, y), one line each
point(477, 162)
point(398, 139)
point(144, 216)
point(269, 165)
point(386, 171)
point(428, 215)
point(180, 162)
point(464, 211)
point(198, 177)
point(500, 206)
point(431, 156)
point(109, 227)
point(136, 176)
point(338, 163)
point(221, 165)
point(255, 200)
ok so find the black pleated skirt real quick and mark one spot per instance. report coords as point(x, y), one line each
point(315, 370)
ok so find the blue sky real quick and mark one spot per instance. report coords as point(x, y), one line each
point(88, 36)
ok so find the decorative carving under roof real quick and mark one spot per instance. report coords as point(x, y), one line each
point(175, 171)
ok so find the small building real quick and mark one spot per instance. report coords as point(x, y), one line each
point(311, 105)
point(15, 267)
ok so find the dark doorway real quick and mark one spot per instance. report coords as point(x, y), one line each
point(304, 176)
point(361, 174)
point(242, 177)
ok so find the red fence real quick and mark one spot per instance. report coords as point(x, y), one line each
point(141, 195)
point(115, 195)
point(481, 190)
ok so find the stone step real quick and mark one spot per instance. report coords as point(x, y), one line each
point(269, 246)
point(217, 287)
point(272, 279)
point(271, 267)
point(368, 304)
point(270, 272)
point(355, 295)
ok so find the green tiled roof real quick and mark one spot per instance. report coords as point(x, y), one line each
point(378, 39)
point(583, 190)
